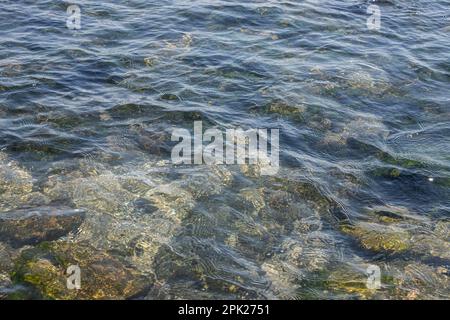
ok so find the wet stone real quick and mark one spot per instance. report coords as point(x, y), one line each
point(418, 281)
point(5, 285)
point(102, 276)
point(442, 230)
point(305, 191)
point(283, 109)
point(429, 245)
point(396, 215)
point(100, 192)
point(176, 202)
point(31, 226)
point(15, 182)
point(6, 256)
point(351, 281)
point(378, 237)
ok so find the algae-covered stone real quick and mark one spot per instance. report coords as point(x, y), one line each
point(430, 245)
point(262, 166)
point(398, 229)
point(103, 276)
point(31, 226)
point(255, 197)
point(442, 230)
point(351, 280)
point(5, 285)
point(418, 281)
point(284, 109)
point(303, 190)
point(389, 214)
point(306, 254)
point(15, 182)
point(288, 211)
point(6, 256)
point(284, 279)
point(378, 237)
point(100, 192)
point(131, 213)
point(206, 181)
point(171, 199)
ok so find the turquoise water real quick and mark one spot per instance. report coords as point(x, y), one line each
point(86, 118)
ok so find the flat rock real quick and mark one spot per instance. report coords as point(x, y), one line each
point(44, 268)
point(32, 226)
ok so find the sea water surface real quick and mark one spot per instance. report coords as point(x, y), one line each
point(360, 208)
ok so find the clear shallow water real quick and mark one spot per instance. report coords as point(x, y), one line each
point(86, 117)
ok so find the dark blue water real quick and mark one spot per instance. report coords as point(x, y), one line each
point(86, 118)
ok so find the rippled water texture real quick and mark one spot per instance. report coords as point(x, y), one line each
point(86, 178)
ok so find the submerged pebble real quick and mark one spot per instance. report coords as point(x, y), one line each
point(31, 226)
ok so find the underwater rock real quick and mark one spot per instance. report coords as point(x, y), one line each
point(10, 68)
point(255, 197)
point(16, 185)
point(171, 199)
point(360, 80)
point(368, 128)
point(155, 143)
point(430, 245)
point(6, 257)
point(132, 212)
point(102, 276)
point(14, 181)
point(31, 226)
point(304, 191)
point(418, 281)
point(369, 81)
point(101, 192)
point(398, 216)
point(376, 237)
point(389, 214)
point(251, 170)
point(149, 61)
point(350, 280)
point(292, 213)
point(295, 261)
point(170, 97)
point(5, 285)
point(333, 138)
point(283, 109)
point(206, 181)
point(442, 230)
point(29, 200)
point(397, 229)
point(312, 252)
point(284, 279)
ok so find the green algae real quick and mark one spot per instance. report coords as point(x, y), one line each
point(386, 172)
point(170, 97)
point(282, 109)
point(347, 280)
point(102, 276)
point(303, 189)
point(399, 161)
point(377, 237)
